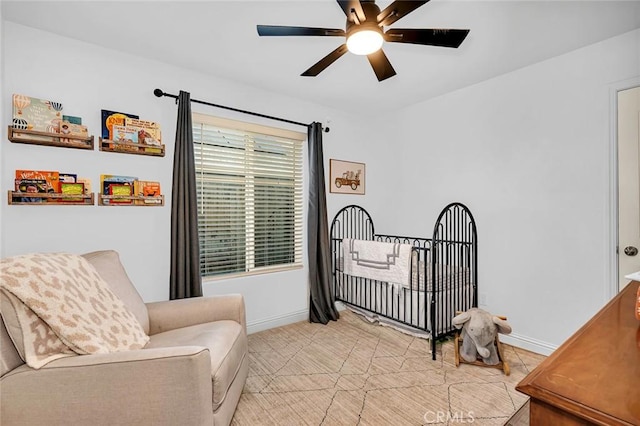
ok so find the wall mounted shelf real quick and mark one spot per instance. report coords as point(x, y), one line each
point(130, 200)
point(108, 145)
point(35, 137)
point(50, 199)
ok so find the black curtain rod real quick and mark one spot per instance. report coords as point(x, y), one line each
point(159, 93)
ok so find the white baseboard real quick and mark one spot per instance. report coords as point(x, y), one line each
point(512, 339)
point(280, 320)
point(524, 342)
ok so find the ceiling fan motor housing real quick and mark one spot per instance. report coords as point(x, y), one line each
point(371, 12)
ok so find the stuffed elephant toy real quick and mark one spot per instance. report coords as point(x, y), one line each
point(479, 331)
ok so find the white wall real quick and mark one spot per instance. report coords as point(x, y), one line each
point(528, 152)
point(86, 79)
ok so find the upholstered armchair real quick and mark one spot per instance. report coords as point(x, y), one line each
point(191, 371)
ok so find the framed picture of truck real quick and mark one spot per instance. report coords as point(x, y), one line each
point(346, 177)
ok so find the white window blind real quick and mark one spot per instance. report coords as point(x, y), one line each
point(249, 185)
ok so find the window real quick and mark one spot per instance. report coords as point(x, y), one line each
point(249, 184)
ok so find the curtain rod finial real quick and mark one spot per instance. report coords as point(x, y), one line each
point(159, 93)
point(326, 128)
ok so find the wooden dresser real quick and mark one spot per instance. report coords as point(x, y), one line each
point(594, 377)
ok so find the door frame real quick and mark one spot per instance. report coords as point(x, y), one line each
point(611, 289)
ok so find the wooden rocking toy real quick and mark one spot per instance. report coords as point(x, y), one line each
point(502, 363)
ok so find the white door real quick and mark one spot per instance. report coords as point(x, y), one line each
point(628, 184)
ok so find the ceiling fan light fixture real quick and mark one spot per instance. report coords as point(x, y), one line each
point(365, 41)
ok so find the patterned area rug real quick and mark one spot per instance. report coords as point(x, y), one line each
point(351, 372)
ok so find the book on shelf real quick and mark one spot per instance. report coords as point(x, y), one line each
point(67, 178)
point(123, 135)
point(31, 186)
point(111, 118)
point(149, 133)
point(107, 180)
point(120, 189)
point(35, 114)
point(69, 185)
point(72, 119)
point(67, 128)
point(51, 178)
point(87, 184)
point(72, 188)
point(147, 189)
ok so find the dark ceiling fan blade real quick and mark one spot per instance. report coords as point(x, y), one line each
point(432, 37)
point(355, 6)
point(381, 65)
point(397, 10)
point(277, 30)
point(323, 63)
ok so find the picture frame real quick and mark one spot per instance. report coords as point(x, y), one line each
point(346, 177)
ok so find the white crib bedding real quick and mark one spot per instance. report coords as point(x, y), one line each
point(448, 276)
point(378, 260)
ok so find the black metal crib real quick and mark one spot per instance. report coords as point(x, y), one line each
point(444, 273)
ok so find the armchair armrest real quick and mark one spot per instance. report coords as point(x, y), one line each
point(113, 389)
point(172, 314)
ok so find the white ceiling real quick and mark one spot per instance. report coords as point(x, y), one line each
point(219, 38)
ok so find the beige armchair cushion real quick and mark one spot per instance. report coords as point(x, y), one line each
point(226, 342)
point(108, 265)
point(217, 323)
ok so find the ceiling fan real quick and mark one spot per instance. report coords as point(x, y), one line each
point(365, 34)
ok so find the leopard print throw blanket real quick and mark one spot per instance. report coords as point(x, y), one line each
point(56, 305)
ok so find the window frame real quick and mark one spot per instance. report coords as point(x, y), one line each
point(298, 233)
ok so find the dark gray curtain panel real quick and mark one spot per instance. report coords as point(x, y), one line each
point(185, 278)
point(322, 304)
